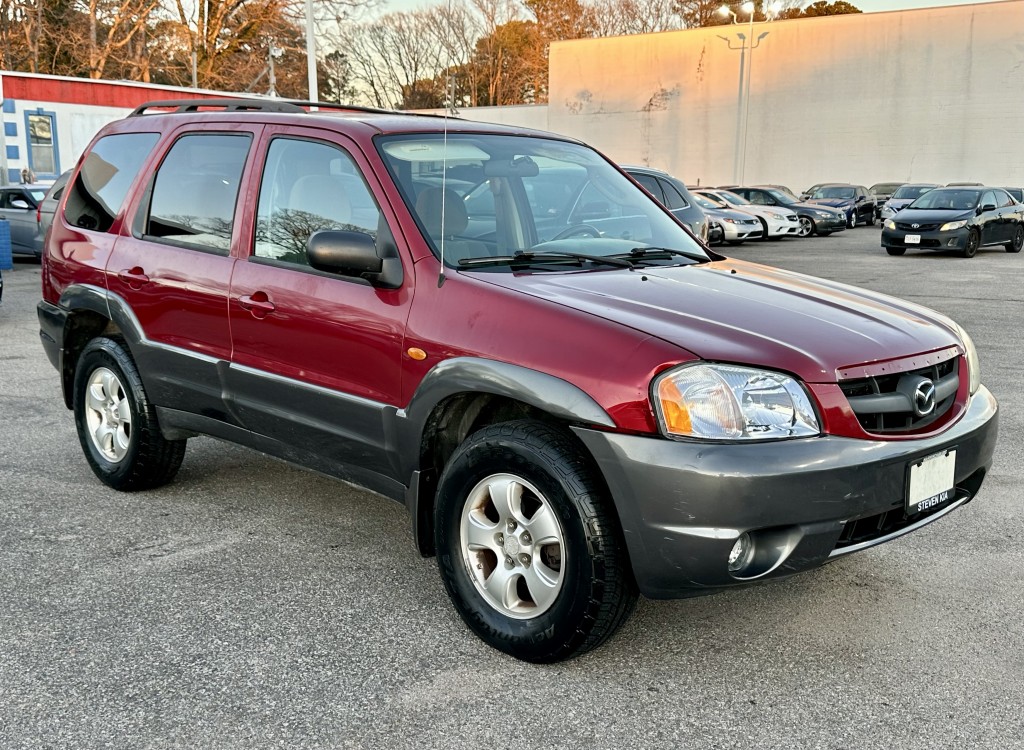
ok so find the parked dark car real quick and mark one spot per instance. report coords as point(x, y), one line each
point(813, 219)
point(904, 196)
point(961, 219)
point(18, 204)
point(673, 194)
point(48, 206)
point(882, 191)
point(1016, 192)
point(854, 201)
point(783, 188)
point(569, 418)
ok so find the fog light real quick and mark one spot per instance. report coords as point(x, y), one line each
point(741, 553)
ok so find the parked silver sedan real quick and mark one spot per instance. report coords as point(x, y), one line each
point(18, 204)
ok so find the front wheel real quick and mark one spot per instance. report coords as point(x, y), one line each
point(117, 424)
point(973, 243)
point(806, 228)
point(871, 219)
point(851, 220)
point(1017, 242)
point(528, 544)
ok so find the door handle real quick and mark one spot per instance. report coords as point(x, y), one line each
point(258, 303)
point(135, 277)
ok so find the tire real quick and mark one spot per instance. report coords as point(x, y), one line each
point(1017, 242)
point(852, 221)
point(871, 219)
point(895, 250)
point(540, 603)
point(764, 229)
point(117, 424)
point(973, 242)
point(807, 227)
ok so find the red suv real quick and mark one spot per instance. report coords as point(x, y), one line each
point(574, 398)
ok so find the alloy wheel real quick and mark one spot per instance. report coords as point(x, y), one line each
point(512, 544)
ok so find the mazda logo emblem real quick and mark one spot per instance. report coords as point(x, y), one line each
point(915, 226)
point(924, 398)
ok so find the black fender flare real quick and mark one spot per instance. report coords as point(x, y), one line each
point(451, 377)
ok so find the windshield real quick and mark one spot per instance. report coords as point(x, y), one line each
point(959, 200)
point(727, 198)
point(703, 202)
point(486, 196)
point(911, 192)
point(834, 192)
point(884, 188)
point(780, 197)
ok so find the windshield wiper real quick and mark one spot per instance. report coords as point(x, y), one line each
point(645, 253)
point(528, 257)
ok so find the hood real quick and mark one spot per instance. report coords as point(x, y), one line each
point(833, 202)
point(804, 205)
point(934, 215)
point(734, 311)
point(897, 203)
point(728, 213)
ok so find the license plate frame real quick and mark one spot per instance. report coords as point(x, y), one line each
point(912, 239)
point(931, 480)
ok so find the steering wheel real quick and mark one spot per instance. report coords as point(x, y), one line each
point(576, 229)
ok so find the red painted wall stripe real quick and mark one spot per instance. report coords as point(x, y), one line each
point(96, 93)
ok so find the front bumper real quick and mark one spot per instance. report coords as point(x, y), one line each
point(782, 227)
point(831, 224)
point(934, 240)
point(736, 232)
point(683, 505)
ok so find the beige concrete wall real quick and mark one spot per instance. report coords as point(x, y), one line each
point(931, 95)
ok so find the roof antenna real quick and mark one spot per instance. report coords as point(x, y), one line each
point(449, 108)
point(444, 174)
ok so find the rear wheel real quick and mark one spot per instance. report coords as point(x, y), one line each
point(871, 219)
point(528, 544)
point(973, 242)
point(895, 250)
point(117, 424)
point(1017, 242)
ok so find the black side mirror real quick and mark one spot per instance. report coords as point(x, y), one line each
point(987, 207)
point(355, 255)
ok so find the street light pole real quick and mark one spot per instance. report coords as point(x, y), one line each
point(311, 53)
point(747, 50)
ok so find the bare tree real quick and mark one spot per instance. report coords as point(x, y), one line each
point(623, 17)
point(113, 27)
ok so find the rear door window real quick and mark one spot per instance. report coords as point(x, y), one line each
point(99, 191)
point(193, 197)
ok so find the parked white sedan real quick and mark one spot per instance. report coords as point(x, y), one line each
point(775, 221)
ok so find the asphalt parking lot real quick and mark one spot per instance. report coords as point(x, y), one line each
point(251, 605)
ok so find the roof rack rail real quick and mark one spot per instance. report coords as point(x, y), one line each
point(289, 106)
point(225, 105)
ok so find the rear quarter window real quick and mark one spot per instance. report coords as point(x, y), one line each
point(99, 191)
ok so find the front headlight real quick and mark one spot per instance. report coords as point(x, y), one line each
point(827, 214)
point(729, 221)
point(728, 402)
point(777, 217)
point(973, 363)
point(949, 226)
point(889, 224)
